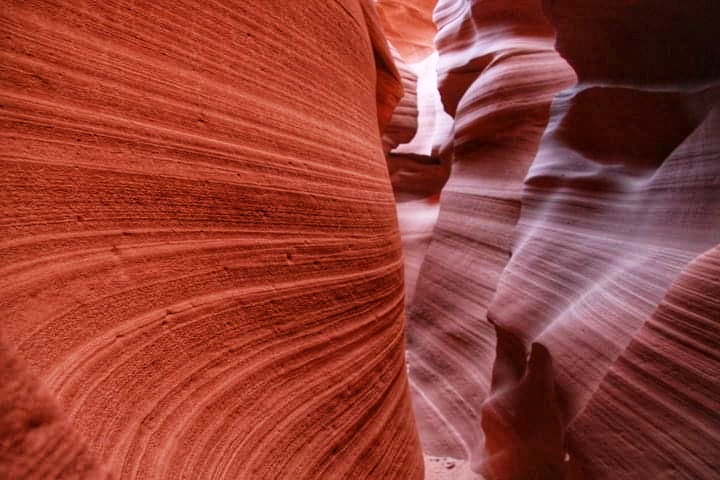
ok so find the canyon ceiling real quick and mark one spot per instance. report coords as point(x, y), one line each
point(348, 239)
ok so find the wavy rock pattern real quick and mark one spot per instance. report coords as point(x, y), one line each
point(409, 26)
point(605, 229)
point(404, 121)
point(416, 171)
point(497, 78)
point(200, 258)
point(591, 329)
point(656, 412)
point(201, 266)
point(622, 196)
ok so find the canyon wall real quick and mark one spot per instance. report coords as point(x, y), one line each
point(201, 263)
point(498, 72)
point(201, 266)
point(563, 325)
point(408, 25)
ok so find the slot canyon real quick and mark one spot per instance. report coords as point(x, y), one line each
point(360, 239)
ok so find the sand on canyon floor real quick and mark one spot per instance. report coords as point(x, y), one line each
point(448, 468)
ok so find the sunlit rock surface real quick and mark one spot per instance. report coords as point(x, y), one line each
point(203, 207)
point(201, 266)
point(409, 26)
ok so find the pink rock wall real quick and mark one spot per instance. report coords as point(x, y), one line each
point(498, 72)
point(656, 412)
point(560, 327)
point(622, 196)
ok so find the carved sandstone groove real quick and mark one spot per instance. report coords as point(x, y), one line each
point(498, 72)
point(621, 197)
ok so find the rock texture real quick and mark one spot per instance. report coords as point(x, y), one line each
point(409, 26)
point(656, 412)
point(560, 327)
point(622, 195)
point(200, 263)
point(37, 440)
point(201, 267)
point(417, 220)
point(404, 121)
point(417, 171)
point(607, 225)
point(498, 72)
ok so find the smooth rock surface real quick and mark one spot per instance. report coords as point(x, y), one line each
point(555, 313)
point(409, 26)
point(404, 121)
point(621, 197)
point(656, 412)
point(498, 72)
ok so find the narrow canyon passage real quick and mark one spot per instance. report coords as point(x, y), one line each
point(562, 301)
point(360, 239)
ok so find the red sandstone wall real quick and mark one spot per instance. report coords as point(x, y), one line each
point(201, 269)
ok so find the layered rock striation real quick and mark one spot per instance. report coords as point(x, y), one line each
point(621, 197)
point(562, 300)
point(201, 266)
point(498, 72)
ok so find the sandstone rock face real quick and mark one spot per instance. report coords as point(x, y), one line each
point(201, 266)
point(417, 220)
point(563, 325)
point(622, 195)
point(415, 135)
point(656, 412)
point(409, 26)
point(404, 121)
point(417, 171)
point(610, 217)
point(37, 440)
point(498, 72)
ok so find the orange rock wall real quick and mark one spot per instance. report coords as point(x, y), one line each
point(201, 266)
point(409, 26)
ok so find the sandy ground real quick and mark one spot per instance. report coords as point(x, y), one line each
point(447, 468)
